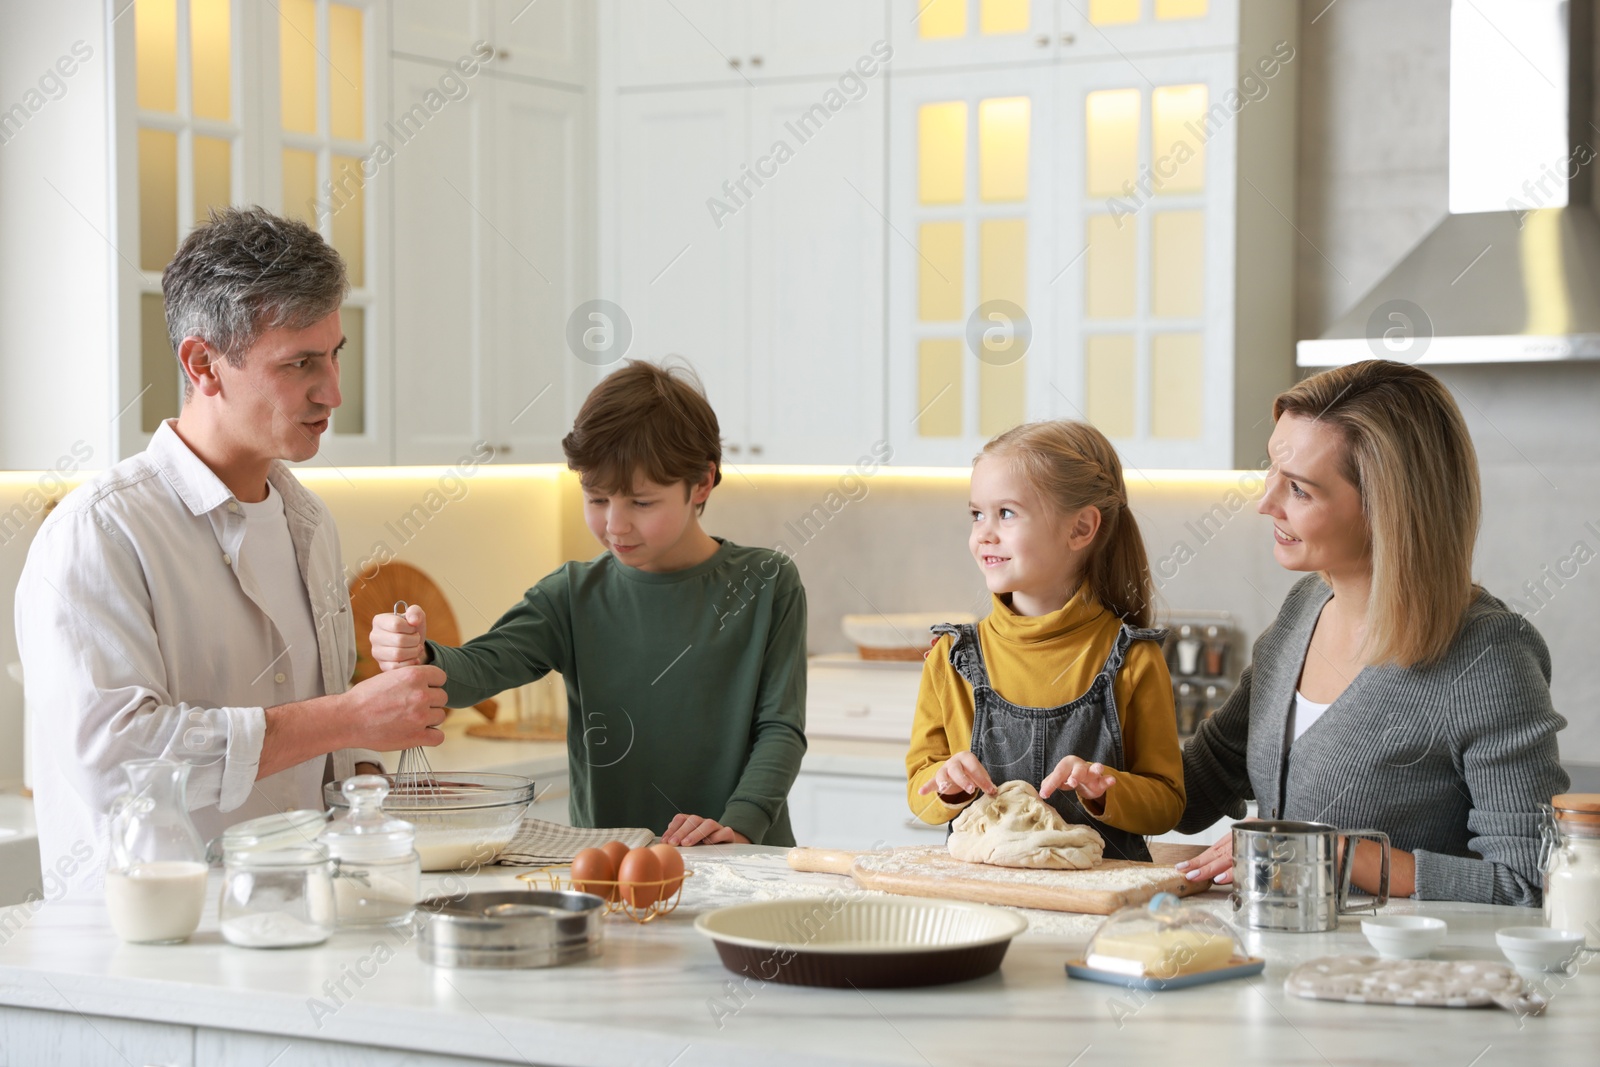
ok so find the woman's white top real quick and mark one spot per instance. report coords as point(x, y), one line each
point(1306, 712)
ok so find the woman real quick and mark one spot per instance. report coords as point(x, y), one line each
point(1391, 692)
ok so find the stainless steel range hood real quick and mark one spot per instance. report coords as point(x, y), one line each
point(1513, 272)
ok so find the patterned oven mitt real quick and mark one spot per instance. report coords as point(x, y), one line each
point(1415, 983)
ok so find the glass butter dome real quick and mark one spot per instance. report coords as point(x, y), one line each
point(1164, 939)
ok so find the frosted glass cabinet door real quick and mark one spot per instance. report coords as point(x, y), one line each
point(1109, 28)
point(972, 195)
point(947, 34)
point(1145, 316)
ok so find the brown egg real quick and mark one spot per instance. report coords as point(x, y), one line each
point(639, 871)
point(616, 850)
point(591, 868)
point(671, 868)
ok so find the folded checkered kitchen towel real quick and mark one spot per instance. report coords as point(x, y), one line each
point(545, 844)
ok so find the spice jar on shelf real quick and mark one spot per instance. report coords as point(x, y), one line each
point(378, 874)
point(1214, 656)
point(277, 882)
point(1186, 651)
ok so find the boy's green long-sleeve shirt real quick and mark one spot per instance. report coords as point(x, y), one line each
point(685, 691)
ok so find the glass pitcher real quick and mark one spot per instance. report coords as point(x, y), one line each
point(156, 875)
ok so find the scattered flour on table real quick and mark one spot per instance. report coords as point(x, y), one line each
point(722, 883)
point(939, 864)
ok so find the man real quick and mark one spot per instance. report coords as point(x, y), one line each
point(189, 603)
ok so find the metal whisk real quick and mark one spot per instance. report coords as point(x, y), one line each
point(415, 775)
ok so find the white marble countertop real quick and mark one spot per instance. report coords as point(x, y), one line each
point(659, 995)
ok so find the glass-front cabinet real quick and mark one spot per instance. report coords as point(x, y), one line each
point(222, 103)
point(1067, 232)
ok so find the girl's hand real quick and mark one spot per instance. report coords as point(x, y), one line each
point(1089, 779)
point(1215, 863)
point(961, 773)
point(688, 830)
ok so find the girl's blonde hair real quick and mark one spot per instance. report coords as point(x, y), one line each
point(1407, 450)
point(1072, 466)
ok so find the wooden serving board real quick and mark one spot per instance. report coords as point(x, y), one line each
point(931, 871)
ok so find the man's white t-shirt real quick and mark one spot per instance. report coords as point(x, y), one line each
point(270, 575)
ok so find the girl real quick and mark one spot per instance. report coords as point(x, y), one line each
point(1062, 685)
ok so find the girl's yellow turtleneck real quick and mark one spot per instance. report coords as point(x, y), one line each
point(1045, 661)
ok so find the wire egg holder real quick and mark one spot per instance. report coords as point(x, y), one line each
point(611, 891)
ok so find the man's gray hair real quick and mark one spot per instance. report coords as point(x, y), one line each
point(245, 271)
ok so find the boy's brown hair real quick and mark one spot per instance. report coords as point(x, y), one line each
point(644, 421)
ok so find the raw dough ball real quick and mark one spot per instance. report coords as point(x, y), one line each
point(1014, 828)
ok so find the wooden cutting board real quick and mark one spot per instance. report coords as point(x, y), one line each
point(930, 871)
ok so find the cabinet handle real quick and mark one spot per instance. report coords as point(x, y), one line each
point(858, 711)
point(1068, 38)
point(755, 61)
point(755, 450)
point(501, 53)
point(734, 449)
point(1043, 40)
point(733, 61)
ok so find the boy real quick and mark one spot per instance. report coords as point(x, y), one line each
point(683, 654)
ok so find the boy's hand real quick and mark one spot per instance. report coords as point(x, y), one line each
point(1090, 779)
point(687, 829)
point(397, 640)
point(961, 773)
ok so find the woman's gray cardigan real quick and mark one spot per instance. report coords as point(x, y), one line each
point(1451, 761)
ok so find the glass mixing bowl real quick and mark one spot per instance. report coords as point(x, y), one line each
point(464, 819)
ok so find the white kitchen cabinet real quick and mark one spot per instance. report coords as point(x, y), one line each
point(972, 194)
point(491, 256)
point(551, 40)
point(548, 39)
point(949, 34)
point(816, 269)
point(1158, 210)
point(233, 1047)
point(855, 812)
point(740, 42)
point(32, 1036)
point(681, 278)
point(749, 243)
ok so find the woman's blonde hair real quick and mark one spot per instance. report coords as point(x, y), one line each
point(1407, 450)
point(1073, 466)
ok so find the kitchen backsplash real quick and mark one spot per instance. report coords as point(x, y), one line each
point(895, 542)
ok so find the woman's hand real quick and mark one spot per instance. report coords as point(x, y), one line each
point(1215, 863)
point(686, 829)
point(961, 773)
point(1089, 779)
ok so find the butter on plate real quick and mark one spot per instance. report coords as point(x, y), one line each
point(1160, 953)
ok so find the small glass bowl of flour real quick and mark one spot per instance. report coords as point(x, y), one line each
point(277, 882)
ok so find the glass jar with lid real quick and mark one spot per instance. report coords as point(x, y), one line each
point(1571, 863)
point(277, 882)
point(378, 874)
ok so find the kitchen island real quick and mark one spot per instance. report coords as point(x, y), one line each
point(71, 993)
